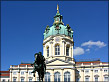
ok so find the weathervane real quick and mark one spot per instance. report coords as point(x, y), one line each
point(57, 8)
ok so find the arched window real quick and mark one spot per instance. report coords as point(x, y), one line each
point(57, 50)
point(14, 79)
point(67, 77)
point(67, 51)
point(106, 78)
point(96, 78)
point(22, 79)
point(47, 77)
point(87, 78)
point(57, 77)
point(47, 51)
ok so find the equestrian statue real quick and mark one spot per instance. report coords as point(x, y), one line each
point(39, 66)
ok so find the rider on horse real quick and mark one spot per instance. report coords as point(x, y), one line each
point(39, 65)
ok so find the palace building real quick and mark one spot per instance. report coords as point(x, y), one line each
point(61, 66)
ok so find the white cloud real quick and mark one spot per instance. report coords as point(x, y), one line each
point(92, 43)
point(78, 51)
point(87, 49)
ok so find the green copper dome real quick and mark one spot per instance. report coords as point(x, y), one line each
point(58, 27)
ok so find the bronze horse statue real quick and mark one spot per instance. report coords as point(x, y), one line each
point(39, 66)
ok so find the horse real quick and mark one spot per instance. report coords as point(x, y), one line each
point(39, 65)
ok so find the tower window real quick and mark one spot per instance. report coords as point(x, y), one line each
point(47, 51)
point(57, 50)
point(67, 51)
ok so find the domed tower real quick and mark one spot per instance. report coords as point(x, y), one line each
point(58, 40)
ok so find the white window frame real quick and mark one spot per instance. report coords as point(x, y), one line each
point(30, 78)
point(67, 74)
point(57, 50)
point(3, 80)
point(106, 80)
point(57, 76)
point(96, 80)
point(14, 72)
point(30, 73)
point(67, 50)
point(86, 71)
point(47, 77)
point(96, 71)
point(87, 79)
point(105, 70)
point(14, 79)
point(47, 51)
point(22, 72)
point(21, 79)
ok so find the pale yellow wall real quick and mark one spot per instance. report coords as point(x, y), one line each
point(61, 66)
point(51, 42)
point(92, 72)
point(6, 79)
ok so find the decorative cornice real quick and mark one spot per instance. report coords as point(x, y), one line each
point(59, 60)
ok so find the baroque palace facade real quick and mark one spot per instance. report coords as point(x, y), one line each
point(58, 50)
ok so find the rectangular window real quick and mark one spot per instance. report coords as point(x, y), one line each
point(96, 71)
point(67, 51)
point(87, 71)
point(14, 73)
point(30, 73)
point(96, 79)
point(22, 73)
point(30, 79)
point(86, 79)
point(105, 70)
point(3, 80)
point(47, 51)
point(14, 79)
point(106, 78)
point(22, 79)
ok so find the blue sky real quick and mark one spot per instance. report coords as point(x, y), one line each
point(23, 24)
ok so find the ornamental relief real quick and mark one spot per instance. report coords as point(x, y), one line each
point(57, 39)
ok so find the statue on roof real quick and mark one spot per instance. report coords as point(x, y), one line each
point(47, 29)
point(39, 66)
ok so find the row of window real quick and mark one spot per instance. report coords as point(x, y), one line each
point(57, 50)
point(86, 71)
point(22, 73)
point(22, 79)
point(47, 77)
point(66, 78)
point(106, 78)
point(57, 77)
point(5, 80)
point(96, 71)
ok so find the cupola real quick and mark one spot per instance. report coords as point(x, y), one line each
point(58, 27)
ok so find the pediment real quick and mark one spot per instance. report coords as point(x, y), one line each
point(58, 62)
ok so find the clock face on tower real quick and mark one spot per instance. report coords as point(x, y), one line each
point(57, 27)
point(57, 39)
